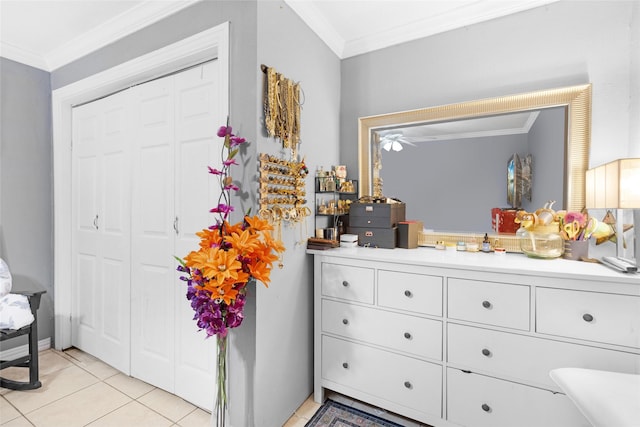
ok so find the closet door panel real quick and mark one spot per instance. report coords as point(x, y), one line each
point(113, 297)
point(85, 215)
point(115, 228)
point(197, 191)
point(86, 314)
point(153, 266)
point(101, 224)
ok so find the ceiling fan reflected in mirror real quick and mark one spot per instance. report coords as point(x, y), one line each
point(393, 141)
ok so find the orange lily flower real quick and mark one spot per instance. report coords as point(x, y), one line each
point(258, 224)
point(221, 265)
point(245, 241)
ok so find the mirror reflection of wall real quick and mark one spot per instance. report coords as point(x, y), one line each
point(452, 182)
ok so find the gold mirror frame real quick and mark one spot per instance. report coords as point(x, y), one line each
point(577, 99)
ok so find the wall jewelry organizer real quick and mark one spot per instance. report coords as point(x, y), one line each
point(282, 192)
point(282, 108)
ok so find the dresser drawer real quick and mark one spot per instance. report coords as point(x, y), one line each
point(410, 334)
point(490, 303)
point(419, 293)
point(478, 401)
point(399, 379)
point(526, 358)
point(348, 282)
point(593, 316)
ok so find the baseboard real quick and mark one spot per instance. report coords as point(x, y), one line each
point(23, 350)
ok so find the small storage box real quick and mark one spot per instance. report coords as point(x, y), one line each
point(376, 215)
point(376, 237)
point(408, 234)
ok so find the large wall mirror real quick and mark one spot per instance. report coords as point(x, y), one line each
point(449, 163)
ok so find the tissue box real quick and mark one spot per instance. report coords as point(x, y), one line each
point(408, 234)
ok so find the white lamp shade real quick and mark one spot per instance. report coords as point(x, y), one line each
point(615, 185)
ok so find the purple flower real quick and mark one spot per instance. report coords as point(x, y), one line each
point(234, 319)
point(236, 140)
point(222, 208)
point(224, 131)
point(575, 216)
point(215, 171)
point(229, 162)
point(231, 187)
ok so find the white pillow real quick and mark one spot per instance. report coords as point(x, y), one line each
point(15, 312)
point(5, 279)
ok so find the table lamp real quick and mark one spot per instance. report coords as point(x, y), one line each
point(615, 185)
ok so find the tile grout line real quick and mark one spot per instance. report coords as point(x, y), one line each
point(124, 404)
point(77, 363)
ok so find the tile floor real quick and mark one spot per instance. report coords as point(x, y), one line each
point(80, 390)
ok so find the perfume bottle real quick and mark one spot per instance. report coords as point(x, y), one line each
point(486, 245)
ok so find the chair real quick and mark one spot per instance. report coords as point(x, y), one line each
point(30, 360)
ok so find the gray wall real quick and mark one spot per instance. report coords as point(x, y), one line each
point(561, 44)
point(285, 311)
point(452, 185)
point(634, 110)
point(547, 137)
point(26, 197)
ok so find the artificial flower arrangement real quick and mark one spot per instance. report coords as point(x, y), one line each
point(230, 257)
point(581, 226)
point(573, 225)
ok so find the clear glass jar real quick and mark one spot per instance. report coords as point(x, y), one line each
point(542, 241)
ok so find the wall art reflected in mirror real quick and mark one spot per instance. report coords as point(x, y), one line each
point(449, 164)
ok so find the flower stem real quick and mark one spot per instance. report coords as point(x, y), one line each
point(221, 398)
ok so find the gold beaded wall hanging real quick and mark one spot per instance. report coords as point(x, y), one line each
point(282, 192)
point(282, 109)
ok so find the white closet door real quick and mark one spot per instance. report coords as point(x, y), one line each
point(100, 240)
point(153, 267)
point(131, 309)
point(197, 146)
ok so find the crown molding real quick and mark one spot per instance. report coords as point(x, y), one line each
point(460, 17)
point(114, 29)
point(471, 13)
point(23, 56)
point(120, 26)
point(311, 16)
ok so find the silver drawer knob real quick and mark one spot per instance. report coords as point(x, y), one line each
point(408, 385)
point(408, 294)
point(486, 304)
point(486, 408)
point(486, 352)
point(407, 335)
point(345, 283)
point(587, 317)
point(345, 321)
point(345, 365)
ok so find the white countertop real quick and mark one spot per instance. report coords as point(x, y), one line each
point(491, 262)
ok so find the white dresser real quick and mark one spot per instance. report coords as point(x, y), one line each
point(454, 338)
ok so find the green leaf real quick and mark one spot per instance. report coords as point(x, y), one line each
point(233, 153)
point(180, 261)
